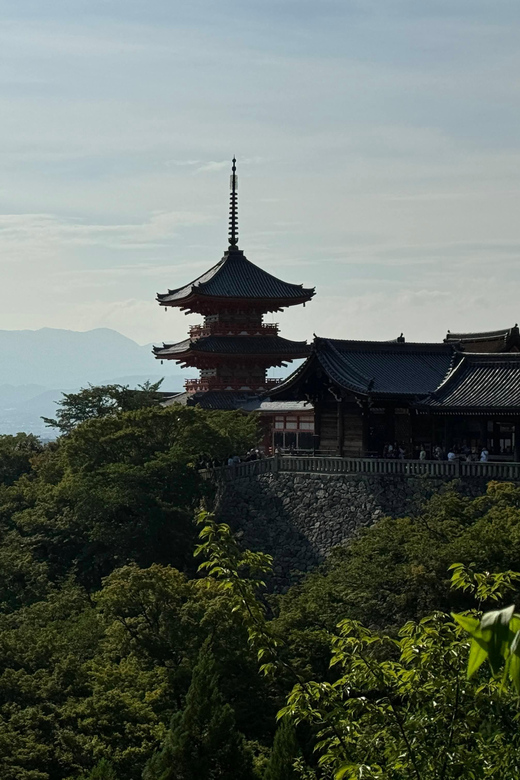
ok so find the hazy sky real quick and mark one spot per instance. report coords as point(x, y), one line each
point(378, 147)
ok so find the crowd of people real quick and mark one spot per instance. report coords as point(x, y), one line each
point(253, 454)
point(454, 453)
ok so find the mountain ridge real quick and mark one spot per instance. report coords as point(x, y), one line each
point(56, 357)
point(37, 366)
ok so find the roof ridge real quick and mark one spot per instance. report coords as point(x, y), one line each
point(355, 374)
point(481, 335)
point(453, 371)
point(393, 345)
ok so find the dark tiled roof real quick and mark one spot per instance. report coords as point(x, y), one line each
point(178, 398)
point(229, 399)
point(215, 399)
point(487, 341)
point(386, 368)
point(236, 277)
point(483, 381)
point(220, 399)
point(235, 345)
point(277, 407)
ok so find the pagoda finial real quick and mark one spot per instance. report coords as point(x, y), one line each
point(233, 207)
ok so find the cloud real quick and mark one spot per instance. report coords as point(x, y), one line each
point(182, 163)
point(43, 232)
point(212, 166)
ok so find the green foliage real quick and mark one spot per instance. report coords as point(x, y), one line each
point(495, 637)
point(115, 656)
point(119, 489)
point(102, 771)
point(285, 753)
point(395, 707)
point(102, 401)
point(16, 456)
point(44, 652)
point(92, 671)
point(398, 570)
point(203, 740)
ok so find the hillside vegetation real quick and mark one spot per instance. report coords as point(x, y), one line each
point(122, 658)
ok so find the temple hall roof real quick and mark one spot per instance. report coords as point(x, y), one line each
point(376, 367)
point(247, 402)
point(234, 345)
point(214, 399)
point(480, 381)
point(236, 278)
point(505, 340)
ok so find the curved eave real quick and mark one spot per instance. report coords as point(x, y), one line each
point(165, 354)
point(268, 304)
point(234, 347)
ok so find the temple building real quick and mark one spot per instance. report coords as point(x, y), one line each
point(233, 347)
point(369, 394)
point(349, 398)
point(507, 340)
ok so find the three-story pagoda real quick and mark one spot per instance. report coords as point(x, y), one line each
point(234, 347)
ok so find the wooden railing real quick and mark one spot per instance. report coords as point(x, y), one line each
point(203, 385)
point(233, 329)
point(315, 464)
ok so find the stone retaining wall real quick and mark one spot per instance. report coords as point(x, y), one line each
point(299, 518)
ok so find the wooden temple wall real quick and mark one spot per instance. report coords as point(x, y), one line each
point(339, 426)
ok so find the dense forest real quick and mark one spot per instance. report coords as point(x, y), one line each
point(139, 640)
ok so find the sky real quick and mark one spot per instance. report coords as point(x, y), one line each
point(378, 151)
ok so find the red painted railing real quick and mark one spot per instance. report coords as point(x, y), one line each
point(233, 329)
point(203, 385)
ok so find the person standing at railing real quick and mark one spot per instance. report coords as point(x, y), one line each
point(484, 455)
point(422, 454)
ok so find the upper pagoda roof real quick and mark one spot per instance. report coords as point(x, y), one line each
point(234, 345)
point(236, 278)
point(505, 340)
point(385, 368)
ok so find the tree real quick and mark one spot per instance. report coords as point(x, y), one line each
point(394, 707)
point(16, 456)
point(102, 771)
point(398, 570)
point(284, 754)
point(122, 488)
point(102, 401)
point(203, 741)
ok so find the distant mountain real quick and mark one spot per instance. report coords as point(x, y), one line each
point(37, 366)
point(68, 358)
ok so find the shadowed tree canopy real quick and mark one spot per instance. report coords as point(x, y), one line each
point(122, 488)
point(102, 401)
point(203, 741)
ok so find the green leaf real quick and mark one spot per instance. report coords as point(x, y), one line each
point(514, 671)
point(498, 617)
point(477, 656)
point(515, 644)
point(468, 623)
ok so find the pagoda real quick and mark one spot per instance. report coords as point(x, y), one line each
point(234, 347)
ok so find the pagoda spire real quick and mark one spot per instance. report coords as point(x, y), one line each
point(233, 207)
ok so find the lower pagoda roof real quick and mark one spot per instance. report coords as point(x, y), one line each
point(368, 368)
point(237, 346)
point(479, 383)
